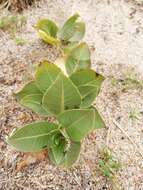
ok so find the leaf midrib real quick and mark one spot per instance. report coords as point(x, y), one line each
point(35, 136)
point(62, 96)
point(29, 96)
point(89, 83)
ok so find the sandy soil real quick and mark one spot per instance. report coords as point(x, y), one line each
point(115, 36)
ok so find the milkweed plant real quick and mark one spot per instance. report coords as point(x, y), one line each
point(64, 90)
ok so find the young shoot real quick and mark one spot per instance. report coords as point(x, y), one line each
point(66, 97)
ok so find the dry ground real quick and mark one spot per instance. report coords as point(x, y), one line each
point(115, 36)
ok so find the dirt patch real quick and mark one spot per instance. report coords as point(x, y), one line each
point(115, 36)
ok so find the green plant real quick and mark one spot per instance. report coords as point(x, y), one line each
point(109, 165)
point(72, 31)
point(130, 81)
point(65, 91)
point(20, 41)
point(12, 23)
point(134, 114)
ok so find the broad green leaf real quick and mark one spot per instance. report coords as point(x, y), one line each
point(61, 95)
point(89, 84)
point(47, 26)
point(57, 153)
point(73, 65)
point(79, 32)
point(67, 31)
point(88, 93)
point(71, 155)
point(72, 31)
point(34, 137)
point(28, 89)
point(46, 74)
point(80, 122)
point(48, 39)
point(34, 102)
point(83, 77)
point(81, 52)
point(47, 30)
point(78, 58)
point(31, 97)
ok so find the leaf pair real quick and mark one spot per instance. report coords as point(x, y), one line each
point(50, 92)
point(72, 30)
point(77, 123)
point(37, 136)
